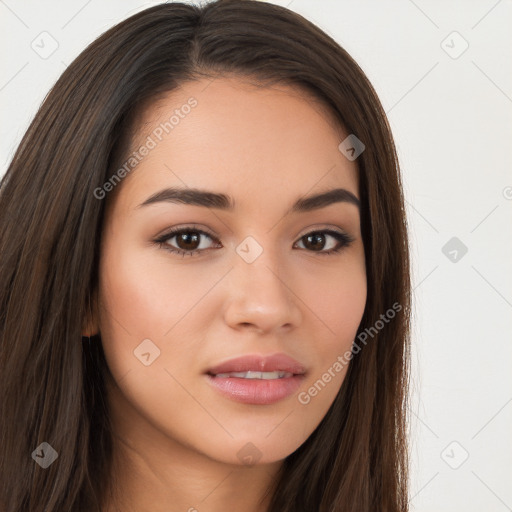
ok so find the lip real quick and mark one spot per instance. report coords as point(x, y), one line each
point(259, 363)
point(257, 391)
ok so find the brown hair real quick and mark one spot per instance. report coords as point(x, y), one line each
point(52, 386)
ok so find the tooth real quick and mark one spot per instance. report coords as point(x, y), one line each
point(256, 375)
point(246, 375)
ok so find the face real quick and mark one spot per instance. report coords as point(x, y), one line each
point(188, 284)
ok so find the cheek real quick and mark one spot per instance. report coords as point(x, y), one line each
point(148, 295)
point(145, 296)
point(142, 299)
point(339, 307)
point(338, 300)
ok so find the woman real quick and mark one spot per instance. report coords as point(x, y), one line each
point(206, 290)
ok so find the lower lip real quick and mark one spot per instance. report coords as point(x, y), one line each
point(256, 391)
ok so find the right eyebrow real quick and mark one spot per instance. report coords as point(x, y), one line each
point(209, 199)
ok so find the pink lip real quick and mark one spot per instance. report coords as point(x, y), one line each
point(257, 391)
point(256, 363)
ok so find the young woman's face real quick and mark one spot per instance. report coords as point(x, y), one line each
point(258, 280)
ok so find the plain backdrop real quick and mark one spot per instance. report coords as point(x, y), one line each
point(442, 70)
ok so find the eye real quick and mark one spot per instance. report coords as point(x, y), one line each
point(318, 239)
point(188, 241)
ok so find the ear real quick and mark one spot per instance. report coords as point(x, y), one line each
point(91, 323)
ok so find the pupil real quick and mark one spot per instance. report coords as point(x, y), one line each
point(189, 239)
point(319, 238)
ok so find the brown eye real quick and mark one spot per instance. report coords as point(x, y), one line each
point(316, 241)
point(188, 241)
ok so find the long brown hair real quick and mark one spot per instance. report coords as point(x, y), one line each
point(52, 386)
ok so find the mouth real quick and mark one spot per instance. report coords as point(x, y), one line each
point(255, 375)
point(257, 380)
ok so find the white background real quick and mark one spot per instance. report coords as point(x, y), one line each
point(452, 121)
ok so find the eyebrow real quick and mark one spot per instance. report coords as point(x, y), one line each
point(197, 197)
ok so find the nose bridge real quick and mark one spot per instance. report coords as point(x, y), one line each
point(258, 268)
point(260, 296)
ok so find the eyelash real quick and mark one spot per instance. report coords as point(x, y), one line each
point(344, 240)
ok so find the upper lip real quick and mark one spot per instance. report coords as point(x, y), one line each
point(259, 363)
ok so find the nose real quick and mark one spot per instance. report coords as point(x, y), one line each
point(261, 297)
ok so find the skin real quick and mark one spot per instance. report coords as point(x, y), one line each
point(176, 438)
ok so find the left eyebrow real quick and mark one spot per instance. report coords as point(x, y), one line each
point(197, 197)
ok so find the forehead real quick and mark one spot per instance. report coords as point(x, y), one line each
point(229, 135)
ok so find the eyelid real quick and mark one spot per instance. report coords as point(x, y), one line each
point(323, 227)
point(171, 233)
point(187, 227)
point(196, 227)
point(342, 237)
